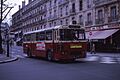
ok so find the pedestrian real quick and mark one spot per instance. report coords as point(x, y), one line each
point(93, 49)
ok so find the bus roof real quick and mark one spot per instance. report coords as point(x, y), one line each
point(30, 32)
point(56, 27)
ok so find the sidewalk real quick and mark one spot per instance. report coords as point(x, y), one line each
point(5, 59)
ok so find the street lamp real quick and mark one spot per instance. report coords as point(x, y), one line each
point(1, 13)
point(7, 38)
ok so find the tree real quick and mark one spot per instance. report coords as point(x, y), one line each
point(4, 11)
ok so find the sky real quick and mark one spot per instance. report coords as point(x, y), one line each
point(16, 3)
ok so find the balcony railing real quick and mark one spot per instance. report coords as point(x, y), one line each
point(42, 11)
point(99, 21)
point(103, 2)
point(80, 23)
point(62, 2)
point(42, 21)
point(113, 18)
point(72, 11)
point(87, 23)
point(53, 17)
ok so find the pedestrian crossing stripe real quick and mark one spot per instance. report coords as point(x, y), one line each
point(108, 60)
point(118, 59)
point(92, 58)
point(101, 59)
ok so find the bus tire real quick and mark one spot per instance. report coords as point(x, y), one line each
point(49, 56)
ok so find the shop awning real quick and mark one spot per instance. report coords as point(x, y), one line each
point(103, 34)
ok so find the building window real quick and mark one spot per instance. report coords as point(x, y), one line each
point(55, 1)
point(37, 28)
point(40, 27)
point(81, 19)
point(89, 17)
point(44, 26)
point(50, 25)
point(61, 22)
point(66, 21)
point(73, 18)
point(100, 14)
point(50, 14)
point(88, 4)
point(45, 6)
point(55, 12)
point(80, 5)
point(113, 11)
point(67, 10)
point(61, 12)
point(50, 4)
point(89, 20)
point(54, 23)
point(73, 7)
point(41, 18)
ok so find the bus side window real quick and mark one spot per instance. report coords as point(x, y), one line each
point(28, 37)
point(40, 36)
point(49, 35)
point(33, 37)
point(62, 34)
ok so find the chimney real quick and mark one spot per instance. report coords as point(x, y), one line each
point(29, 1)
point(23, 4)
point(19, 7)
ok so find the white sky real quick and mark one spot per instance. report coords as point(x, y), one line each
point(15, 9)
point(17, 2)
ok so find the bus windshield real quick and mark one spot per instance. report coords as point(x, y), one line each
point(72, 34)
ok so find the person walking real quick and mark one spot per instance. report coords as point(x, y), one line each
point(93, 49)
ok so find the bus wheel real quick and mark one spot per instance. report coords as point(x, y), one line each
point(49, 55)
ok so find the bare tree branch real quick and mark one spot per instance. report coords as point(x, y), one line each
point(4, 1)
point(7, 13)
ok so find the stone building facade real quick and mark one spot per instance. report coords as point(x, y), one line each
point(39, 14)
point(93, 15)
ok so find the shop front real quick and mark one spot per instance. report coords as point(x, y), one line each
point(107, 40)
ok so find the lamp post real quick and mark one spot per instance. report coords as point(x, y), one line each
point(1, 13)
point(7, 41)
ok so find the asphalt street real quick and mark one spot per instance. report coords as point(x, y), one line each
point(93, 67)
point(38, 69)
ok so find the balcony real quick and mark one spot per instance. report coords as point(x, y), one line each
point(72, 11)
point(63, 2)
point(113, 18)
point(103, 2)
point(99, 21)
point(43, 1)
point(88, 23)
point(42, 21)
point(80, 23)
point(53, 17)
point(42, 11)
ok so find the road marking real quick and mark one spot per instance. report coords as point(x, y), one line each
point(101, 59)
point(90, 58)
point(108, 60)
point(118, 59)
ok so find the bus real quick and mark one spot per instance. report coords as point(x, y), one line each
point(56, 43)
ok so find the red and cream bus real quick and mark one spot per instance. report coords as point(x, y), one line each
point(56, 43)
